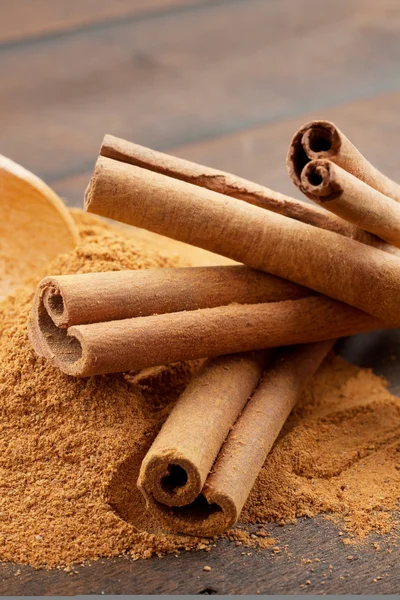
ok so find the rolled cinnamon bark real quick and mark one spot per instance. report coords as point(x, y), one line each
point(323, 140)
point(343, 194)
point(176, 466)
point(234, 186)
point(222, 182)
point(95, 297)
point(248, 234)
point(228, 486)
point(131, 344)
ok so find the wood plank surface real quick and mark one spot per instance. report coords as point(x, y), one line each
point(234, 570)
point(259, 153)
point(180, 78)
point(373, 125)
point(23, 21)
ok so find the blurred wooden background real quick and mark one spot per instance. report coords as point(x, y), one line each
point(222, 82)
point(225, 83)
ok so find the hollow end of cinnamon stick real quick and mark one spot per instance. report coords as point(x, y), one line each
point(54, 343)
point(321, 139)
point(172, 480)
point(317, 139)
point(53, 300)
point(208, 515)
point(318, 181)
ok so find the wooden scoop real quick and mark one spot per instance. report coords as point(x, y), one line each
point(35, 225)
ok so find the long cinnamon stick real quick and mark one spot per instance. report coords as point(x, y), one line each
point(176, 466)
point(323, 140)
point(222, 182)
point(95, 297)
point(227, 487)
point(130, 344)
point(248, 234)
point(343, 194)
point(234, 186)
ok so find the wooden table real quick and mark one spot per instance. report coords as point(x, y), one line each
point(225, 83)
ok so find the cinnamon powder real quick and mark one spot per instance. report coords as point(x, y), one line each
point(339, 453)
point(70, 449)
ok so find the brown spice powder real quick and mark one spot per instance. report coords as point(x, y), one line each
point(338, 453)
point(70, 449)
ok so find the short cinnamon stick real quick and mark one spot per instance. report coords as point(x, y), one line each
point(248, 234)
point(228, 485)
point(323, 140)
point(176, 466)
point(131, 344)
point(95, 297)
point(343, 194)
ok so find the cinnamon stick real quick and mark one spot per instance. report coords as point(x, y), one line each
point(131, 344)
point(323, 140)
point(234, 186)
point(343, 194)
point(248, 234)
point(176, 466)
point(95, 297)
point(222, 182)
point(228, 486)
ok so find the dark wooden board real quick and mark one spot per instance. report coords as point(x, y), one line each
point(195, 74)
point(232, 572)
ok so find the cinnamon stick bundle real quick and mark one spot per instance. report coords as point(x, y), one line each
point(96, 297)
point(234, 186)
point(343, 194)
point(64, 301)
point(137, 343)
point(222, 182)
point(323, 140)
point(259, 238)
point(175, 466)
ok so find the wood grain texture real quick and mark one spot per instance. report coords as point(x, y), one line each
point(234, 569)
point(189, 76)
point(24, 21)
point(259, 153)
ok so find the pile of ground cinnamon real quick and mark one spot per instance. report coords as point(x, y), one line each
point(339, 453)
point(70, 449)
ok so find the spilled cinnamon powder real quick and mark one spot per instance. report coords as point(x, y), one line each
point(70, 449)
point(339, 453)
